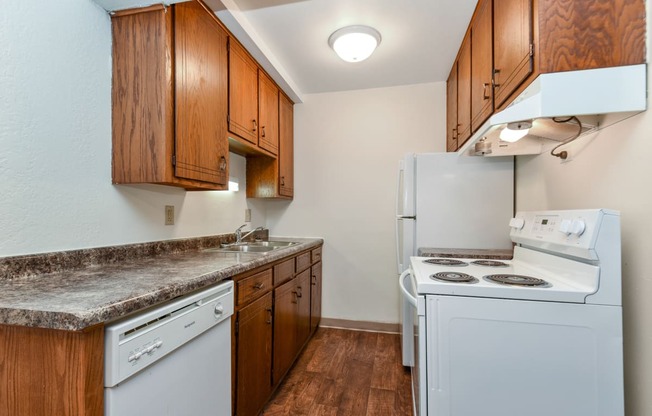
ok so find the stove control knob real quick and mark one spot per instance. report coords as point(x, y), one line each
point(577, 227)
point(517, 223)
point(565, 227)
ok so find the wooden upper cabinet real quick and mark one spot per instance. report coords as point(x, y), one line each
point(267, 113)
point(202, 148)
point(243, 94)
point(464, 92)
point(151, 66)
point(482, 100)
point(286, 147)
point(451, 110)
point(576, 35)
point(513, 46)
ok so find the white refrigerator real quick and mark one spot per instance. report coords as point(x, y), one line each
point(449, 201)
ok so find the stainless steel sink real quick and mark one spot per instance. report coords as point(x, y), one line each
point(247, 248)
point(255, 246)
point(277, 244)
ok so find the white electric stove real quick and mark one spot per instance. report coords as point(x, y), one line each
point(537, 335)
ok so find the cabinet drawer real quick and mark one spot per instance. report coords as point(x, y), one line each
point(283, 271)
point(316, 255)
point(303, 261)
point(253, 286)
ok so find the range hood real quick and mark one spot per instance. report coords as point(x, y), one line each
point(553, 98)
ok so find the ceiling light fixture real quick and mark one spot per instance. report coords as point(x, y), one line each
point(354, 43)
point(515, 131)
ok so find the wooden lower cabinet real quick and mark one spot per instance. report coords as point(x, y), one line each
point(254, 356)
point(45, 372)
point(315, 296)
point(272, 330)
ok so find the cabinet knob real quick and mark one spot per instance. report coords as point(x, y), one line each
point(255, 125)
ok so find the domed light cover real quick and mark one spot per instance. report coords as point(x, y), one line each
point(514, 132)
point(354, 43)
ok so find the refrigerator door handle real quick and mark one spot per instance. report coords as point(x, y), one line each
point(406, 294)
point(399, 265)
point(406, 217)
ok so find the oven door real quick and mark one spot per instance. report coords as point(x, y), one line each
point(523, 358)
point(414, 340)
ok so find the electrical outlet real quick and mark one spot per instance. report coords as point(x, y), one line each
point(169, 215)
point(247, 215)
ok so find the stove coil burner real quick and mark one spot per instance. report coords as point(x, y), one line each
point(454, 277)
point(516, 280)
point(489, 263)
point(446, 262)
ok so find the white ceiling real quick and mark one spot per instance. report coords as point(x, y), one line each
point(420, 39)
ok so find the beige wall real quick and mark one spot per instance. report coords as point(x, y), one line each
point(347, 148)
point(55, 141)
point(610, 169)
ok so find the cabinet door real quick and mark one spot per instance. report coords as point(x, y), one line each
point(303, 309)
point(201, 144)
point(286, 300)
point(267, 113)
point(451, 110)
point(254, 356)
point(315, 296)
point(464, 92)
point(481, 66)
point(513, 61)
point(243, 94)
point(286, 147)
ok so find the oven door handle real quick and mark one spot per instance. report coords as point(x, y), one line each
point(406, 294)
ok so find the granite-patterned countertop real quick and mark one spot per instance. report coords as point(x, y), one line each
point(81, 297)
point(463, 253)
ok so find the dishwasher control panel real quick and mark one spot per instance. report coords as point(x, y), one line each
point(135, 343)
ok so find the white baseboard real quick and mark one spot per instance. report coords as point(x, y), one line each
point(360, 325)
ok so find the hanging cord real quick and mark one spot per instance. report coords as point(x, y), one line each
point(564, 154)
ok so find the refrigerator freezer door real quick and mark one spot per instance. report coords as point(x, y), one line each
point(463, 202)
point(405, 224)
point(405, 196)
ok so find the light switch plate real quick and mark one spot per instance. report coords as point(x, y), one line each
point(247, 215)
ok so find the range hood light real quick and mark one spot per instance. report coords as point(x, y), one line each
point(514, 132)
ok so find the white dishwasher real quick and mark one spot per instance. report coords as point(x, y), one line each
point(172, 360)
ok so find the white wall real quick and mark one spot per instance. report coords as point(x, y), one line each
point(610, 169)
point(55, 143)
point(347, 147)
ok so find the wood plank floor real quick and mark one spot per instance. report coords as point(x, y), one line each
point(346, 373)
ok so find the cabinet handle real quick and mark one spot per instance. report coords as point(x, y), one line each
point(263, 130)
point(493, 81)
point(282, 180)
point(255, 125)
point(314, 280)
point(259, 285)
point(299, 294)
point(484, 91)
point(296, 297)
point(222, 165)
point(453, 135)
point(269, 316)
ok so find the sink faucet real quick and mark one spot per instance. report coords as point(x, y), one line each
point(238, 233)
